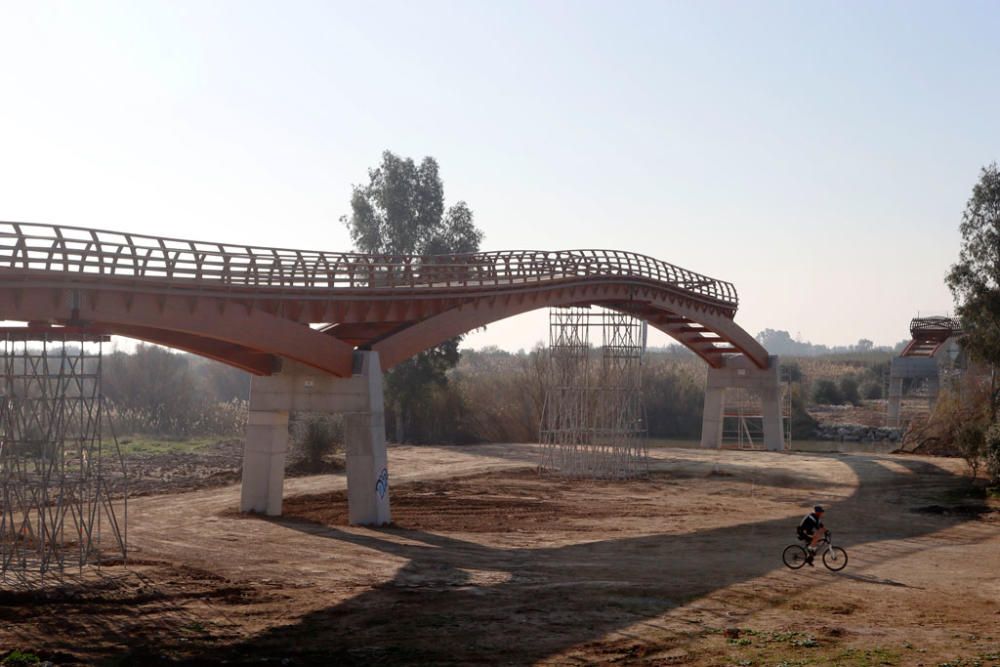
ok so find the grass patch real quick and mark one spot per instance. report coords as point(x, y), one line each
point(748, 636)
point(16, 657)
point(151, 444)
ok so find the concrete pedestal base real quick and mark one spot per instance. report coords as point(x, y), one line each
point(740, 372)
point(300, 388)
point(264, 462)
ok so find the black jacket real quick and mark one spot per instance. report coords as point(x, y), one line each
point(809, 525)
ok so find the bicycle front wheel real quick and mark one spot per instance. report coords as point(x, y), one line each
point(794, 556)
point(835, 559)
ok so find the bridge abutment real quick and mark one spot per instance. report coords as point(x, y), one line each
point(741, 373)
point(298, 388)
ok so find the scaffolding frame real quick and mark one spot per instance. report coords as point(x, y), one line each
point(593, 423)
point(61, 470)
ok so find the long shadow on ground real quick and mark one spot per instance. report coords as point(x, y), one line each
point(540, 602)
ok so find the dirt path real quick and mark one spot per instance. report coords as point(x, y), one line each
point(491, 563)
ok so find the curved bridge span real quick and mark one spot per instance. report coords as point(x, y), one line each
point(317, 329)
point(248, 306)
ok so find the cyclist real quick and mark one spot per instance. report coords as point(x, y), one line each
point(811, 531)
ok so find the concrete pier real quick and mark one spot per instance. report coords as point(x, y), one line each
point(301, 388)
point(911, 368)
point(740, 372)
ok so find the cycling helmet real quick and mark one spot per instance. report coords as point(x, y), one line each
point(818, 509)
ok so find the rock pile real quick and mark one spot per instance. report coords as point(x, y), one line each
point(856, 433)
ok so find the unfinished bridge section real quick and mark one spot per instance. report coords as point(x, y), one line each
point(920, 362)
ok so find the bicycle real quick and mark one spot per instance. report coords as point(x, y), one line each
point(835, 558)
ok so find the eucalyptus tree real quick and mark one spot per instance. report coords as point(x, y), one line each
point(974, 280)
point(401, 211)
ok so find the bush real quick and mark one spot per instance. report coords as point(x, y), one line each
point(673, 400)
point(790, 371)
point(803, 425)
point(826, 392)
point(871, 391)
point(971, 443)
point(17, 657)
point(992, 447)
point(849, 391)
point(204, 418)
point(318, 440)
point(157, 392)
point(499, 396)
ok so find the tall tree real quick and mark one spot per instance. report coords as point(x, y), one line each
point(401, 211)
point(975, 279)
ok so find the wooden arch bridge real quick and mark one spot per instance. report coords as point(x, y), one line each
point(283, 314)
point(247, 306)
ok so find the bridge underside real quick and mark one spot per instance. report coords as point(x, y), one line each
point(252, 332)
point(272, 337)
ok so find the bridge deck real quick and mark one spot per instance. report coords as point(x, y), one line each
point(183, 293)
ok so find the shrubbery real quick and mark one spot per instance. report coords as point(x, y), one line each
point(980, 447)
point(826, 392)
point(157, 392)
point(803, 425)
point(971, 443)
point(849, 391)
point(498, 396)
point(846, 391)
point(490, 396)
point(673, 399)
point(992, 454)
point(316, 436)
point(961, 424)
point(871, 391)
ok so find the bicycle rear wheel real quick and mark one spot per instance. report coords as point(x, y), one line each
point(794, 556)
point(835, 559)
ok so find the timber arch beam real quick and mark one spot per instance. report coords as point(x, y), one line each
point(709, 335)
point(245, 338)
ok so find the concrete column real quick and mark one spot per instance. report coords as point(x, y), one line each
point(774, 432)
point(367, 465)
point(740, 372)
point(264, 461)
point(895, 399)
point(933, 389)
point(711, 418)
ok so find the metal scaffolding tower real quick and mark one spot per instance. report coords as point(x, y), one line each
point(61, 476)
point(592, 422)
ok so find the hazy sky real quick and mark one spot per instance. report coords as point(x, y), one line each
point(818, 155)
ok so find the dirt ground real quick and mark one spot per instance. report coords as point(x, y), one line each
point(490, 562)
